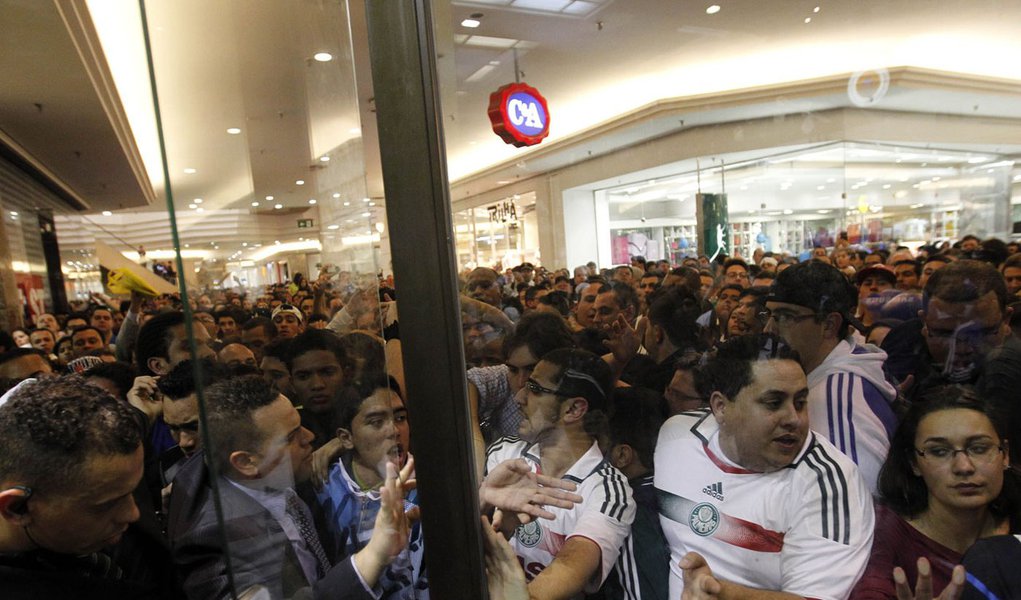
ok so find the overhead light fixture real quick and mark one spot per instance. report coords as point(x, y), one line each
point(324, 159)
point(473, 21)
point(816, 9)
point(192, 206)
point(190, 171)
point(788, 211)
point(233, 130)
point(255, 204)
point(269, 197)
point(347, 204)
point(372, 203)
point(197, 200)
point(244, 244)
point(712, 9)
point(106, 213)
point(278, 206)
point(379, 226)
point(808, 20)
point(312, 201)
point(336, 195)
point(323, 56)
point(333, 227)
point(366, 200)
point(299, 182)
point(366, 214)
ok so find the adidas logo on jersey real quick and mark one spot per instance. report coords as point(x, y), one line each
point(714, 489)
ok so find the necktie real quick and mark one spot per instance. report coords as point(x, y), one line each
point(298, 513)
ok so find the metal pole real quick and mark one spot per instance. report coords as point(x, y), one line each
point(405, 87)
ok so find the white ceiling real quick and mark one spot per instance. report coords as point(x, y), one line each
point(235, 63)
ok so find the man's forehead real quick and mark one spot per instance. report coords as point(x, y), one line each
point(315, 359)
point(109, 476)
point(181, 410)
point(985, 307)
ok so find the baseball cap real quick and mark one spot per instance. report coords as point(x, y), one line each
point(288, 309)
point(815, 285)
point(877, 270)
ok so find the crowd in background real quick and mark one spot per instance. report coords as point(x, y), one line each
point(883, 382)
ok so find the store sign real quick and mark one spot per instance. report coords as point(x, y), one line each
point(305, 223)
point(519, 114)
point(713, 224)
point(503, 212)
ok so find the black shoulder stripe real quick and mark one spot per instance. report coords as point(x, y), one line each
point(615, 493)
point(841, 489)
point(823, 494)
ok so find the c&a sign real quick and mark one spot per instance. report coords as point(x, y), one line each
point(519, 114)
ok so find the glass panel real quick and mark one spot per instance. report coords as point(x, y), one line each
point(684, 134)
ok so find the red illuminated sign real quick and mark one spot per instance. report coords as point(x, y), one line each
point(519, 114)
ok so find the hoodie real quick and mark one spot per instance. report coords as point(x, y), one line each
point(850, 402)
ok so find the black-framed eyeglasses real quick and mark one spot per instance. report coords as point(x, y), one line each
point(784, 318)
point(534, 387)
point(979, 453)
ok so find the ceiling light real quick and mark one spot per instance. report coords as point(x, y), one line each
point(379, 227)
point(976, 160)
point(276, 241)
point(233, 130)
point(471, 23)
point(244, 244)
point(187, 245)
point(366, 214)
point(197, 200)
point(712, 9)
point(808, 19)
point(323, 56)
point(312, 201)
point(324, 159)
point(299, 182)
point(278, 206)
point(192, 206)
point(347, 204)
point(816, 9)
point(190, 171)
point(372, 203)
point(366, 200)
point(255, 204)
point(886, 186)
point(269, 197)
point(823, 211)
point(336, 194)
point(334, 227)
point(788, 211)
point(106, 213)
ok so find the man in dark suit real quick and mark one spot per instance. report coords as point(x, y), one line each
point(267, 542)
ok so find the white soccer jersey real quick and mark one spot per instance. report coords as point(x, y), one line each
point(805, 529)
point(604, 516)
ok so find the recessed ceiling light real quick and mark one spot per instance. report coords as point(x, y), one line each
point(187, 245)
point(244, 244)
point(366, 200)
point(106, 213)
point(324, 159)
point(192, 206)
point(312, 201)
point(334, 227)
point(190, 171)
point(233, 130)
point(816, 9)
point(471, 23)
point(347, 204)
point(372, 203)
point(269, 197)
point(336, 195)
point(255, 204)
point(323, 56)
point(278, 206)
point(788, 211)
point(808, 20)
point(197, 200)
point(299, 182)
point(366, 214)
point(712, 9)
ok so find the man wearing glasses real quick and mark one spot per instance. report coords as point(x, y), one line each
point(810, 306)
point(564, 401)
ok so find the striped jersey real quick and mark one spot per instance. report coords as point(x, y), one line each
point(604, 516)
point(805, 529)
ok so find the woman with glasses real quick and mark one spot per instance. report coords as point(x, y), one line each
point(946, 483)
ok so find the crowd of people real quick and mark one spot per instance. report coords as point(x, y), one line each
point(832, 427)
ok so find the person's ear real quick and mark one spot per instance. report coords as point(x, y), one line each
point(158, 365)
point(14, 505)
point(346, 439)
point(621, 456)
point(575, 409)
point(245, 463)
point(718, 404)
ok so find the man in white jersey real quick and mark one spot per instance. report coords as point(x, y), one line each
point(562, 406)
point(753, 504)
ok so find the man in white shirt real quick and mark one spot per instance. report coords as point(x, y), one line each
point(563, 404)
point(753, 504)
